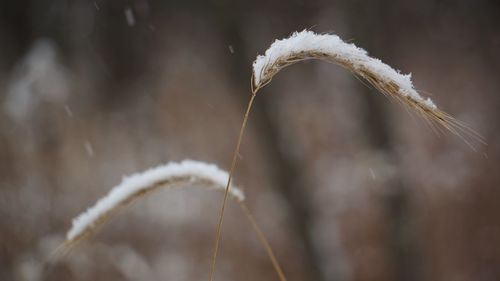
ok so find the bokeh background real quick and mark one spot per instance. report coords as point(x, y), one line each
point(346, 185)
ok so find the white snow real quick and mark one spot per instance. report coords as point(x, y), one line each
point(68, 110)
point(129, 16)
point(89, 148)
point(194, 170)
point(332, 45)
point(39, 77)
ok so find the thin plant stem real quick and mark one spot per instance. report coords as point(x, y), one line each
point(64, 248)
point(263, 240)
point(228, 186)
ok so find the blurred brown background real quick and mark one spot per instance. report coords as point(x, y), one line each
point(346, 185)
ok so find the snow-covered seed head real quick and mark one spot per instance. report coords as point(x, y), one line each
point(306, 45)
point(173, 174)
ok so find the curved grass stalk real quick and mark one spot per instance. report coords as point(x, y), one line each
point(228, 189)
point(137, 186)
point(307, 45)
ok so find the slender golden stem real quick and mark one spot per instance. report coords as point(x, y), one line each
point(228, 186)
point(263, 240)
